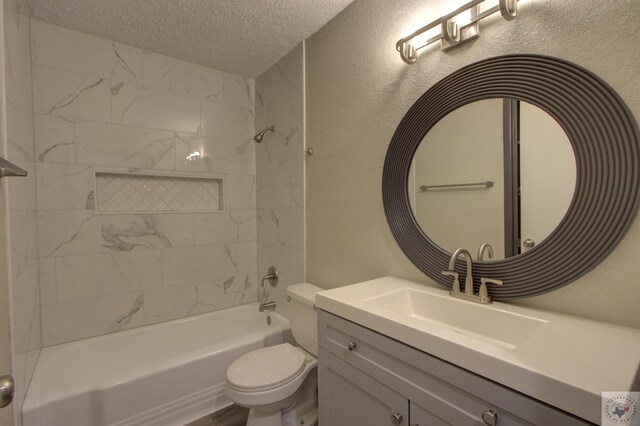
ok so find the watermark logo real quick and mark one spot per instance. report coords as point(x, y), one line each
point(620, 408)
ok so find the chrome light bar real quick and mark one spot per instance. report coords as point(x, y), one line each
point(452, 34)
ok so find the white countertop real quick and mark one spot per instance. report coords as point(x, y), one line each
point(567, 363)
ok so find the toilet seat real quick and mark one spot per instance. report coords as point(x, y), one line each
point(268, 375)
point(266, 368)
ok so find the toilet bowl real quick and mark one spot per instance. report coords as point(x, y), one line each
point(279, 383)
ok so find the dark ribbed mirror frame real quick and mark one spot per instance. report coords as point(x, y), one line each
point(605, 140)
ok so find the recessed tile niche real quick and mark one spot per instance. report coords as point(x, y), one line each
point(135, 193)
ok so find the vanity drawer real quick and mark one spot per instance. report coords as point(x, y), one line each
point(451, 393)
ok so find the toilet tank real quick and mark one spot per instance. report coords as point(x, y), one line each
point(302, 315)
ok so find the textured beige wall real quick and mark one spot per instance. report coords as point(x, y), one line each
point(358, 89)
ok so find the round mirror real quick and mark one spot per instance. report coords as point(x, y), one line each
point(498, 171)
point(604, 139)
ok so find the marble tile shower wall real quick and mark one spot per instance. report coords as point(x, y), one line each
point(280, 172)
point(20, 201)
point(102, 105)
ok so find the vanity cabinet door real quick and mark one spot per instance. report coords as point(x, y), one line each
point(349, 397)
point(422, 417)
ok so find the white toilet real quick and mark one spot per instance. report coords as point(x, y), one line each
point(279, 383)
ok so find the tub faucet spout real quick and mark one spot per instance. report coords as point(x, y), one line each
point(267, 306)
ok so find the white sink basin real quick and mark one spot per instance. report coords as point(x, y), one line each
point(487, 323)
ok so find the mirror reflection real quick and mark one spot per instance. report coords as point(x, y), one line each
point(496, 171)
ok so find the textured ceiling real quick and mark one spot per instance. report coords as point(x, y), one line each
point(239, 36)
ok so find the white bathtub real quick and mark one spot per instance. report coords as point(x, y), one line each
point(160, 375)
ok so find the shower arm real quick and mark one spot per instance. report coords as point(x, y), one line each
point(259, 136)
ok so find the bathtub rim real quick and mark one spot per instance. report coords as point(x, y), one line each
point(46, 394)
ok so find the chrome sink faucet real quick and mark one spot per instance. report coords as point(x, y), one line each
point(483, 295)
point(485, 247)
point(468, 281)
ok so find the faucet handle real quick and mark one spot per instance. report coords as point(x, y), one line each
point(484, 293)
point(456, 279)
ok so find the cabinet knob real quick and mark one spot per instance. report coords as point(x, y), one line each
point(352, 346)
point(490, 418)
point(396, 419)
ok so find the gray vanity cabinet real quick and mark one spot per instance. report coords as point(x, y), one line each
point(368, 379)
point(352, 398)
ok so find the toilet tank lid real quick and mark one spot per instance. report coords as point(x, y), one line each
point(304, 293)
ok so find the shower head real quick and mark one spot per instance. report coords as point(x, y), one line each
point(259, 136)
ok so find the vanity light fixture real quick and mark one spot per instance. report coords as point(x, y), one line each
point(455, 28)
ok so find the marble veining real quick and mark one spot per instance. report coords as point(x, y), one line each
point(50, 149)
point(143, 107)
point(238, 290)
point(126, 239)
point(123, 321)
point(73, 238)
point(70, 50)
point(69, 94)
point(209, 297)
point(167, 303)
point(238, 91)
point(67, 232)
point(108, 108)
point(280, 172)
point(54, 139)
point(183, 78)
point(68, 99)
point(182, 265)
point(121, 63)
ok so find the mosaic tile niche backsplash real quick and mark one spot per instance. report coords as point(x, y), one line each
point(125, 192)
point(101, 105)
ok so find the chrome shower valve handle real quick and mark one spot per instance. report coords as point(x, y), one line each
point(272, 277)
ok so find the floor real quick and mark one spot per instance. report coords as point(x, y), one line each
point(234, 415)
